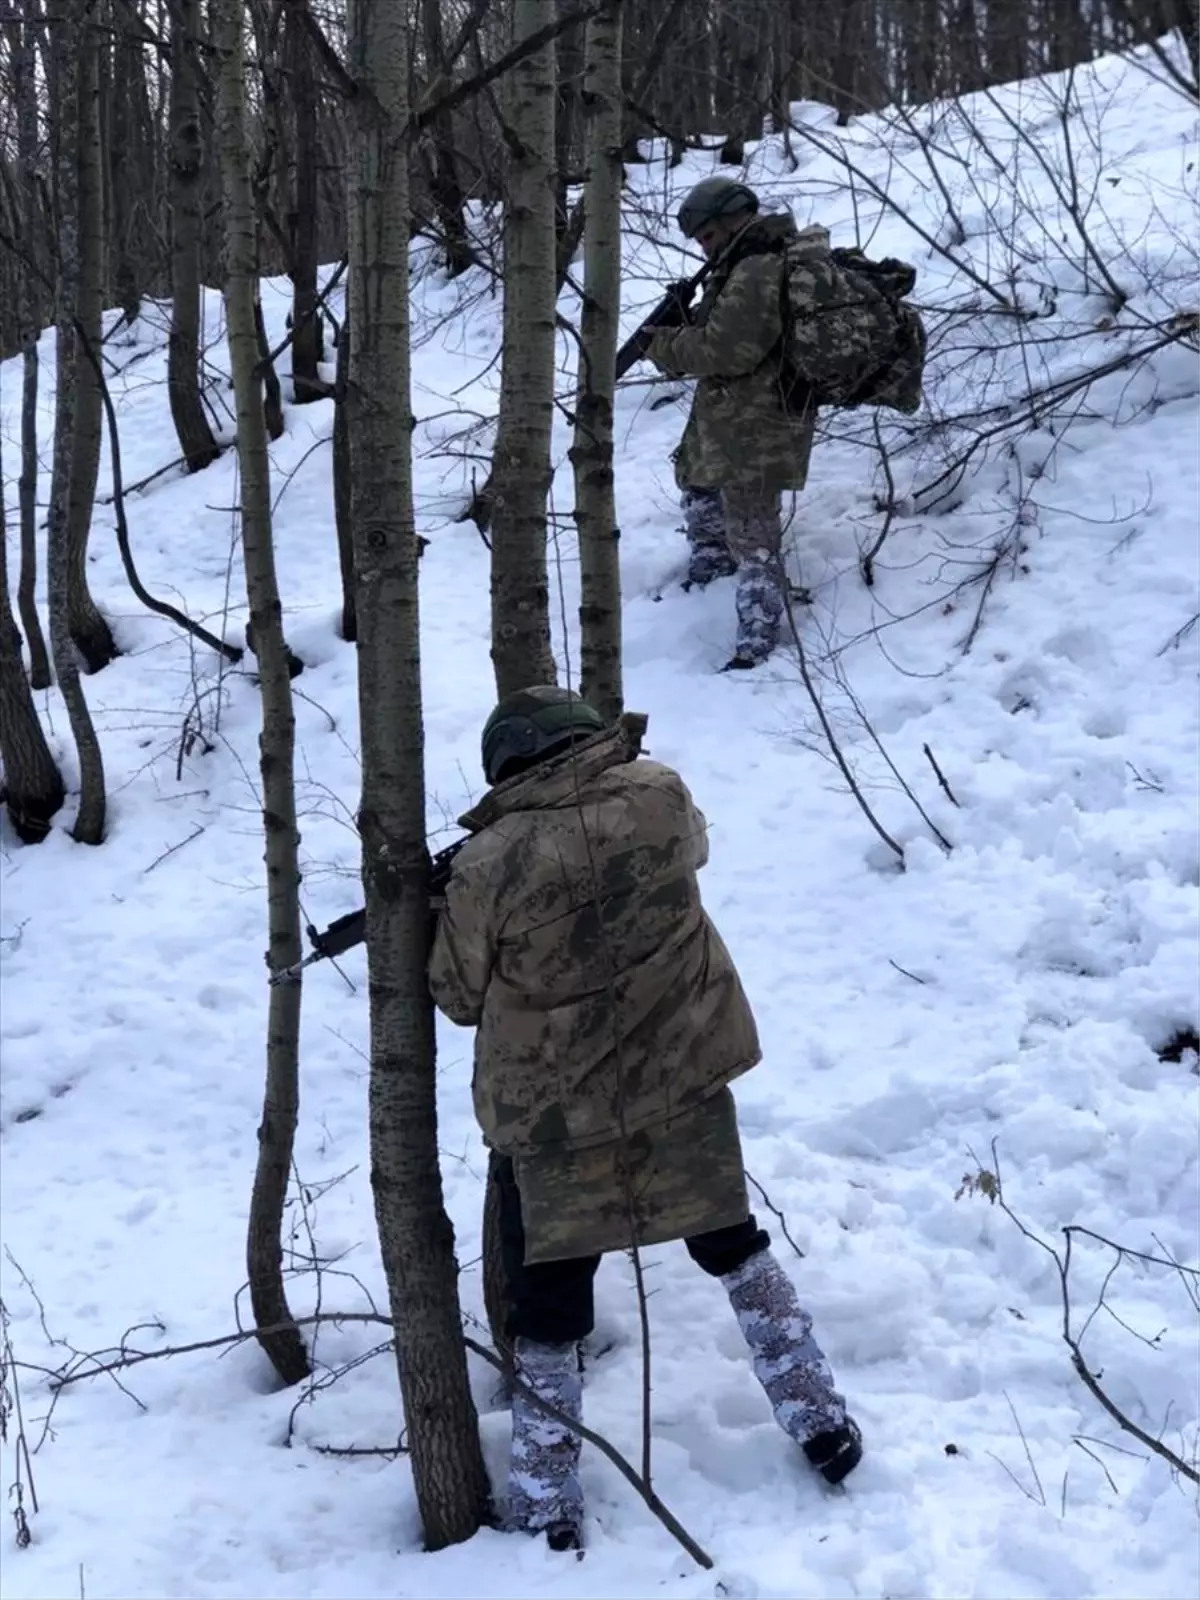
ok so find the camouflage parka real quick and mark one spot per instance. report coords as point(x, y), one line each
point(738, 432)
point(560, 995)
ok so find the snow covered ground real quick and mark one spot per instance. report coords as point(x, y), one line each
point(1021, 989)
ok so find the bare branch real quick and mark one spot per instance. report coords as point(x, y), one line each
point(989, 1182)
point(528, 46)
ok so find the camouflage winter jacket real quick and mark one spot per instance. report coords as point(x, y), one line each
point(562, 996)
point(738, 432)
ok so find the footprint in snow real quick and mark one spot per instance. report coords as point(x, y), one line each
point(1105, 722)
point(218, 997)
point(1083, 647)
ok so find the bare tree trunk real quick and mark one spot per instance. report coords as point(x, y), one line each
point(917, 59)
point(932, 41)
point(968, 52)
point(29, 313)
point(31, 622)
point(269, 178)
point(695, 114)
point(276, 1135)
point(521, 471)
point(196, 440)
point(441, 157)
point(744, 55)
point(10, 274)
point(90, 632)
point(33, 786)
point(124, 173)
point(1062, 34)
point(342, 479)
point(854, 67)
point(302, 220)
point(568, 107)
point(415, 1235)
point(1007, 41)
point(150, 161)
point(641, 72)
point(495, 1281)
point(805, 60)
point(272, 393)
point(1185, 14)
point(781, 66)
point(592, 451)
point(66, 19)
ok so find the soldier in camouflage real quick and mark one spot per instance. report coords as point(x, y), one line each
point(610, 1022)
point(742, 447)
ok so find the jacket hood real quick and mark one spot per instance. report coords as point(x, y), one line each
point(774, 228)
point(556, 781)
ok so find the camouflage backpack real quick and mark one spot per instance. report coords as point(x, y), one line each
point(849, 337)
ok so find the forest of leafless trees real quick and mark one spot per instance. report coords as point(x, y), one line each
point(150, 148)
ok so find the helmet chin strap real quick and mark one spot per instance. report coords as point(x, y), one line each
point(733, 239)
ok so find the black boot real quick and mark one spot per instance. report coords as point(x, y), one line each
point(836, 1454)
point(706, 566)
point(565, 1536)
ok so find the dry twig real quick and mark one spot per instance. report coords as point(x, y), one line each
point(988, 1182)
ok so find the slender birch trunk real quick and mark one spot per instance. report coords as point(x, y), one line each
point(196, 441)
point(89, 631)
point(276, 1135)
point(30, 310)
point(495, 1281)
point(342, 469)
point(521, 470)
point(66, 19)
point(307, 351)
point(125, 171)
point(441, 157)
point(33, 785)
point(592, 451)
point(415, 1235)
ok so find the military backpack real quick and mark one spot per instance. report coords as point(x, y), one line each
point(850, 338)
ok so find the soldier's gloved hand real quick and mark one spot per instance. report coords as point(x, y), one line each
point(674, 309)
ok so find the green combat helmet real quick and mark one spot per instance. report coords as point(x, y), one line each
point(713, 198)
point(535, 722)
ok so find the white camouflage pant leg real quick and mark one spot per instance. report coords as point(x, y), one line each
point(704, 524)
point(760, 607)
point(754, 532)
point(544, 1490)
point(788, 1361)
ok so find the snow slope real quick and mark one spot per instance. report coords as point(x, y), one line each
point(1018, 990)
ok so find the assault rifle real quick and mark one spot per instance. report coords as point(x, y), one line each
point(634, 347)
point(350, 930)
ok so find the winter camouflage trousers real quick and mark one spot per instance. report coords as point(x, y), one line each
point(545, 1494)
point(544, 1491)
point(739, 530)
point(788, 1361)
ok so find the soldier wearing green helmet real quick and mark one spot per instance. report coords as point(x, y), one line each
point(743, 446)
point(610, 1022)
point(716, 201)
